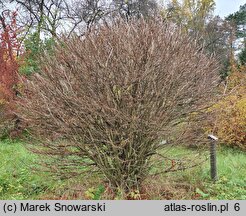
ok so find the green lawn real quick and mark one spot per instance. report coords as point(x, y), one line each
point(19, 178)
point(231, 166)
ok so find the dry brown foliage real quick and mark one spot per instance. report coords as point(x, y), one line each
point(114, 94)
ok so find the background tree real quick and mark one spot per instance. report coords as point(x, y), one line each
point(219, 38)
point(30, 60)
point(239, 19)
point(9, 48)
point(242, 55)
point(191, 15)
point(86, 13)
point(196, 18)
point(44, 16)
point(226, 117)
point(135, 8)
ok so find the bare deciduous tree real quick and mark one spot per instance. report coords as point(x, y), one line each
point(45, 15)
point(86, 13)
point(114, 93)
point(135, 8)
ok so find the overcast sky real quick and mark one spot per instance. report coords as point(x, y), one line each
point(226, 7)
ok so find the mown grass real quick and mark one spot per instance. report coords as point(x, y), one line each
point(19, 178)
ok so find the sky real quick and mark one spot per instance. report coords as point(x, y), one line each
point(226, 7)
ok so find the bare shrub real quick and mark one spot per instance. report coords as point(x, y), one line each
point(114, 94)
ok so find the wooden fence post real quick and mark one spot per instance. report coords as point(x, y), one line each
point(213, 162)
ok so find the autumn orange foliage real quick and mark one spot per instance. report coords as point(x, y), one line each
point(230, 111)
point(9, 48)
